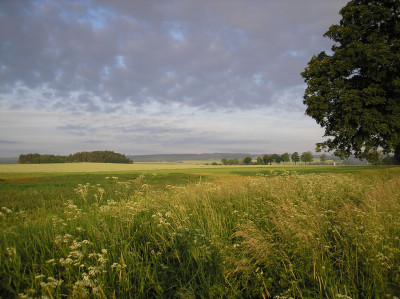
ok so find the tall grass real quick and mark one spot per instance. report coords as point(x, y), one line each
point(276, 235)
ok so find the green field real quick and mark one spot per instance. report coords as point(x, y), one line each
point(199, 231)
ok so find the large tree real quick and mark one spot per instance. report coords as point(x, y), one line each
point(285, 157)
point(247, 160)
point(295, 157)
point(276, 158)
point(354, 91)
point(306, 157)
point(268, 159)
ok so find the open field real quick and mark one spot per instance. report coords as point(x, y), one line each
point(197, 231)
point(192, 166)
point(92, 167)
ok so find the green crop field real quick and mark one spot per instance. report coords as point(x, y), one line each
point(181, 230)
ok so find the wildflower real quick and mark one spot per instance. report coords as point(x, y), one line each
point(97, 291)
point(118, 267)
point(343, 296)
point(102, 260)
point(76, 254)
point(66, 261)
point(52, 283)
point(7, 210)
point(11, 251)
point(75, 245)
point(93, 271)
point(79, 290)
point(86, 280)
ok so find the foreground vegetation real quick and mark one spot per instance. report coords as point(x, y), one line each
point(189, 233)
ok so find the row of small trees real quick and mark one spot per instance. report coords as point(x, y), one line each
point(95, 156)
point(305, 157)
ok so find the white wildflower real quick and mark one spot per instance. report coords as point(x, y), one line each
point(11, 251)
point(7, 210)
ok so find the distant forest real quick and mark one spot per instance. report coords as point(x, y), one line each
point(96, 156)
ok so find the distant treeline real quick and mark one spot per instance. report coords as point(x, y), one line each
point(96, 156)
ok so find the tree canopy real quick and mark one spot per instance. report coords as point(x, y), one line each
point(306, 157)
point(285, 157)
point(354, 92)
point(247, 160)
point(95, 156)
point(295, 157)
point(268, 159)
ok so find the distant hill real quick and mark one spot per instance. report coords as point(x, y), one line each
point(186, 157)
point(13, 160)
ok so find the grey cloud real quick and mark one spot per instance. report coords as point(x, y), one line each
point(100, 55)
point(72, 127)
point(143, 129)
point(78, 129)
point(8, 142)
point(93, 141)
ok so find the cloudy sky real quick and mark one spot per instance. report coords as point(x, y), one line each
point(158, 76)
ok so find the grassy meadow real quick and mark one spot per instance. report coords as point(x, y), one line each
point(199, 231)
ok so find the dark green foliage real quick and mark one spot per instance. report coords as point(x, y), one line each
point(234, 161)
point(96, 156)
point(285, 157)
point(397, 155)
point(268, 159)
point(247, 160)
point(295, 157)
point(276, 158)
point(99, 156)
point(306, 157)
point(355, 92)
point(41, 159)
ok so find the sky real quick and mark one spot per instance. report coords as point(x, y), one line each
point(159, 76)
